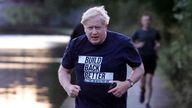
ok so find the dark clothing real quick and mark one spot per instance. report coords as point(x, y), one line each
point(148, 37)
point(147, 52)
point(150, 64)
point(78, 31)
point(96, 65)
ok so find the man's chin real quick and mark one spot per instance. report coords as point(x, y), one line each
point(95, 42)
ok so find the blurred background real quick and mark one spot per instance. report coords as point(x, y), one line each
point(34, 33)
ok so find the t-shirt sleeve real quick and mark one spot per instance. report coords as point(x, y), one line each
point(68, 57)
point(135, 36)
point(131, 55)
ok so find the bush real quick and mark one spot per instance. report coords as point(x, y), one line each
point(177, 57)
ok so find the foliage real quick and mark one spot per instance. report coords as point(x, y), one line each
point(177, 57)
point(24, 15)
point(65, 5)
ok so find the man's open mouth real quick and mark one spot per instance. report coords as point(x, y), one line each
point(95, 37)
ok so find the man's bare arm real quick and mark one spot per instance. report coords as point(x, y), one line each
point(64, 76)
point(137, 73)
point(157, 45)
point(138, 44)
point(123, 86)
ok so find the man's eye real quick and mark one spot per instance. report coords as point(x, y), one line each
point(90, 28)
point(97, 28)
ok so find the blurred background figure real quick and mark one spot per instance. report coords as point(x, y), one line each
point(146, 39)
point(78, 31)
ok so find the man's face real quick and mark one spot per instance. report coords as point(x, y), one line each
point(95, 30)
point(145, 21)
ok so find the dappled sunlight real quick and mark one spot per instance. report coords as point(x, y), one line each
point(22, 97)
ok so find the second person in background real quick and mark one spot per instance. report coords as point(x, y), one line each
point(146, 39)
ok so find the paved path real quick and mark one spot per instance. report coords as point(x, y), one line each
point(160, 97)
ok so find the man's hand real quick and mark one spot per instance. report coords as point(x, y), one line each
point(64, 79)
point(120, 89)
point(157, 45)
point(139, 44)
point(73, 90)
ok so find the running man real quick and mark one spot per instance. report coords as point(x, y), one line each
point(99, 59)
point(146, 39)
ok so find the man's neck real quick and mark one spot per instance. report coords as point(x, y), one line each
point(145, 28)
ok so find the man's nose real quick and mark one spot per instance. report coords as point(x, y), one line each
point(94, 31)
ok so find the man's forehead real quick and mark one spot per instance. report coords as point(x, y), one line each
point(145, 17)
point(93, 24)
point(94, 21)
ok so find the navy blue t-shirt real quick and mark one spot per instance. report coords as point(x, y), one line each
point(148, 37)
point(96, 65)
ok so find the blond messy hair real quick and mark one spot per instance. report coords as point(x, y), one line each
point(96, 11)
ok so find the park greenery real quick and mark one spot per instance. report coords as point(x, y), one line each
point(172, 17)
